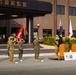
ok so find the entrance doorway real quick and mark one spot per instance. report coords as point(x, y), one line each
point(2, 34)
point(13, 9)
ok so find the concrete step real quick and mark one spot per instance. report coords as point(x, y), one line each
point(27, 51)
point(4, 46)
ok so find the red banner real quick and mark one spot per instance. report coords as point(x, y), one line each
point(19, 34)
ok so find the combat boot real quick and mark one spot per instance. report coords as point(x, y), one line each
point(37, 60)
point(11, 62)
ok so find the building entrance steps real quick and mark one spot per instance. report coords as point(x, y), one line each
point(4, 46)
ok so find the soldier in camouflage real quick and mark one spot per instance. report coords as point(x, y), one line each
point(20, 46)
point(10, 46)
point(36, 49)
point(57, 45)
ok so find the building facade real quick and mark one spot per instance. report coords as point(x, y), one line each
point(47, 25)
point(62, 9)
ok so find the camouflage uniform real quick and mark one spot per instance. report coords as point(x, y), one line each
point(57, 45)
point(67, 40)
point(36, 48)
point(11, 49)
point(20, 46)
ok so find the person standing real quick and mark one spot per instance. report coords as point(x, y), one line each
point(36, 49)
point(11, 41)
point(57, 45)
point(20, 46)
point(67, 40)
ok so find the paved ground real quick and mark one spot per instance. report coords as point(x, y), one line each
point(30, 67)
point(46, 66)
point(47, 46)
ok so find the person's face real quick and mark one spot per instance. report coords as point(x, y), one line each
point(37, 38)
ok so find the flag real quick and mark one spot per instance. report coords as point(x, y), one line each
point(60, 32)
point(19, 34)
point(60, 29)
point(70, 32)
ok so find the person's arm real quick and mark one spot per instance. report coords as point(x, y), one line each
point(23, 41)
point(56, 44)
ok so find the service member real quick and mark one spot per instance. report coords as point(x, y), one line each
point(67, 40)
point(11, 49)
point(57, 45)
point(20, 46)
point(36, 49)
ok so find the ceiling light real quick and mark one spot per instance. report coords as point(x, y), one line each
point(14, 15)
point(1, 14)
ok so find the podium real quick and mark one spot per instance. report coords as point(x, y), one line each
point(62, 48)
point(71, 55)
point(73, 48)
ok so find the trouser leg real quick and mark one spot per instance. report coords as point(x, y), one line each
point(8, 52)
point(57, 50)
point(37, 54)
point(20, 54)
point(11, 55)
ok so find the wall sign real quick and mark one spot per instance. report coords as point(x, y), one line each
point(70, 55)
point(13, 3)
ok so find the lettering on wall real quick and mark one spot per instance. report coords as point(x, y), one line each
point(13, 3)
point(24, 4)
point(18, 3)
point(6, 2)
point(0, 1)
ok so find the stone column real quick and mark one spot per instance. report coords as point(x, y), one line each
point(55, 17)
point(67, 15)
point(8, 28)
point(30, 28)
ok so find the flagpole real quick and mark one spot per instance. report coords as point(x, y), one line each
point(24, 29)
point(60, 32)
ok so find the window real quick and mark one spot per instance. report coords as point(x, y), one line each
point(60, 9)
point(47, 32)
point(72, 11)
point(3, 35)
